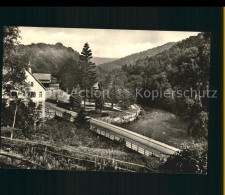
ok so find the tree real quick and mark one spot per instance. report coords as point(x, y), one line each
point(24, 119)
point(13, 65)
point(126, 99)
point(87, 70)
point(75, 98)
point(190, 160)
point(117, 84)
point(10, 39)
point(193, 73)
point(81, 121)
point(99, 98)
point(68, 74)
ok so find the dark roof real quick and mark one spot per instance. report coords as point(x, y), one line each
point(42, 76)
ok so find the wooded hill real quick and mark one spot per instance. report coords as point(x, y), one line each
point(48, 58)
point(131, 59)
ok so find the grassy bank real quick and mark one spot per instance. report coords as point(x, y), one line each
point(162, 126)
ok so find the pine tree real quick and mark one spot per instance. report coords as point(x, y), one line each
point(87, 70)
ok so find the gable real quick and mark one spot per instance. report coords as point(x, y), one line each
point(31, 77)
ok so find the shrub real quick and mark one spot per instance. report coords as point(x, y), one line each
point(64, 105)
point(94, 112)
point(81, 120)
point(190, 160)
point(142, 112)
point(105, 114)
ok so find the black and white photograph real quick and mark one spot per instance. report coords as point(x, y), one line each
point(111, 100)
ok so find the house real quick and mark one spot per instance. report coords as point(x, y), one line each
point(31, 89)
point(44, 78)
point(47, 80)
point(36, 91)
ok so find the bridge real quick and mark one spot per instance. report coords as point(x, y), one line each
point(134, 141)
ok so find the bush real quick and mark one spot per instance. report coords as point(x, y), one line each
point(6, 131)
point(189, 160)
point(105, 114)
point(94, 112)
point(64, 105)
point(51, 101)
point(143, 113)
point(55, 129)
point(81, 120)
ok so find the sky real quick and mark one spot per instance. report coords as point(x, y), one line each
point(103, 42)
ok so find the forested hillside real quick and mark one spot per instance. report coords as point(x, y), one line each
point(48, 58)
point(184, 66)
point(60, 61)
point(131, 59)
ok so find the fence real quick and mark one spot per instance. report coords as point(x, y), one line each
point(48, 156)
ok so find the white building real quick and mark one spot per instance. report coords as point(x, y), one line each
point(36, 91)
point(32, 89)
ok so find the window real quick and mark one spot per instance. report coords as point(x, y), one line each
point(31, 94)
point(14, 94)
point(32, 84)
point(40, 94)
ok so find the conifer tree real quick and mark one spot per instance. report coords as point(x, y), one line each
point(87, 70)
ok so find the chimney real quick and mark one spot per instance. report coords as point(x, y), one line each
point(29, 67)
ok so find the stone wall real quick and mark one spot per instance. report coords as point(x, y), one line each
point(122, 119)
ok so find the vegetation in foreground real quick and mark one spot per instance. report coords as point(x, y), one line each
point(192, 159)
point(61, 133)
